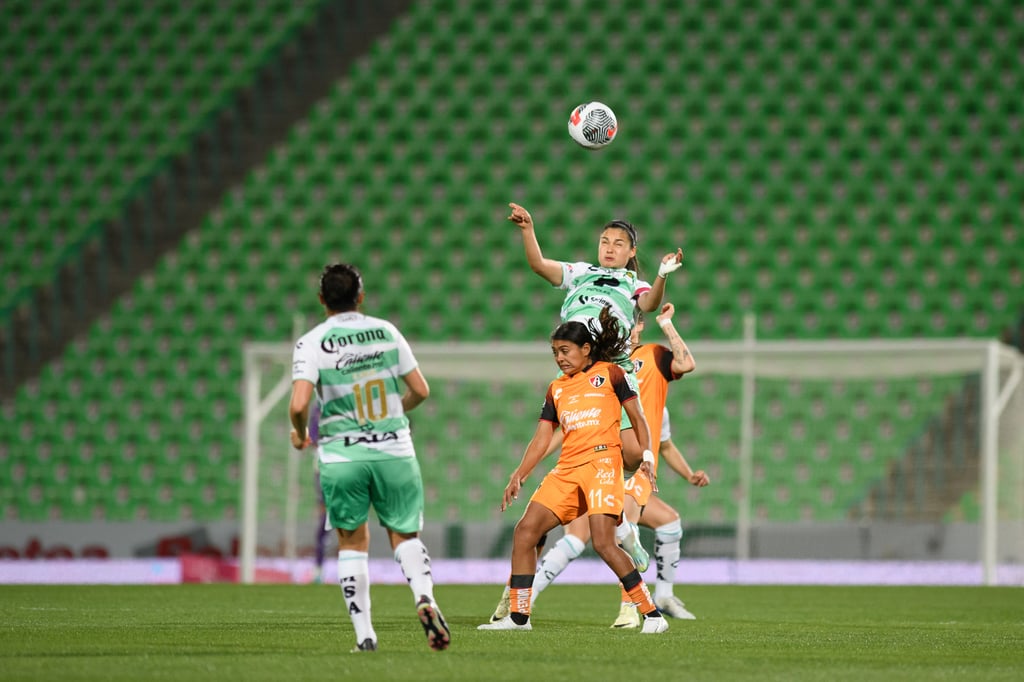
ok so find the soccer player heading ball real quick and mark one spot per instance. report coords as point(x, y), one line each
point(612, 282)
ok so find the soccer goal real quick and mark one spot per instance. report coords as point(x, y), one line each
point(801, 438)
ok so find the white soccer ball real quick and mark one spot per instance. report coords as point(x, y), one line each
point(593, 125)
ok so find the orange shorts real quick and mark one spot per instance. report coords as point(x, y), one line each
point(592, 488)
point(638, 486)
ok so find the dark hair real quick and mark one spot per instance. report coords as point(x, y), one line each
point(630, 230)
point(604, 336)
point(340, 285)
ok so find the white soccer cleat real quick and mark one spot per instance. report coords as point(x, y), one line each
point(505, 623)
point(629, 617)
point(673, 607)
point(654, 625)
point(635, 550)
point(503, 608)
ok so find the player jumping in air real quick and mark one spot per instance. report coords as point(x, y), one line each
point(612, 282)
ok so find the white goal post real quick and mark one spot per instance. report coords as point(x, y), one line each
point(999, 368)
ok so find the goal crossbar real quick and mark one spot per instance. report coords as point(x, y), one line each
point(999, 366)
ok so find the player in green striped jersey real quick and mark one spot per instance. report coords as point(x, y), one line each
point(612, 282)
point(366, 378)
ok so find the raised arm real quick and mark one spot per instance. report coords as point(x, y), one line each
point(651, 299)
point(682, 359)
point(551, 270)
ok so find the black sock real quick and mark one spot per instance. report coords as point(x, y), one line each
point(519, 618)
point(630, 580)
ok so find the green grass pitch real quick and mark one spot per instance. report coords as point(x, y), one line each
point(294, 633)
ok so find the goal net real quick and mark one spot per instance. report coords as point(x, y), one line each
point(811, 448)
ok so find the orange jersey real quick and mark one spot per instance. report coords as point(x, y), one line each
point(588, 406)
point(652, 363)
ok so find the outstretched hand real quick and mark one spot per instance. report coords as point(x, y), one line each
point(670, 263)
point(520, 216)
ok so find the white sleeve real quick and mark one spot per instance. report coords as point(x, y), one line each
point(666, 427)
point(406, 360)
point(304, 361)
point(570, 271)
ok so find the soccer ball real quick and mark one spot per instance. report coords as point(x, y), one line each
point(593, 125)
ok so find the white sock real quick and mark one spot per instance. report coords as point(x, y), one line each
point(627, 535)
point(354, 578)
point(666, 555)
point(412, 556)
point(569, 547)
point(622, 530)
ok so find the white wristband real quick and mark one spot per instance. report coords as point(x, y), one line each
point(648, 456)
point(670, 266)
point(665, 324)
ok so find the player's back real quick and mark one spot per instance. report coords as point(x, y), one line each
point(358, 363)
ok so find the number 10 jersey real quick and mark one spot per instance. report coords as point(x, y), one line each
point(357, 363)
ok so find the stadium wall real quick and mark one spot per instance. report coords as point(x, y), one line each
point(883, 541)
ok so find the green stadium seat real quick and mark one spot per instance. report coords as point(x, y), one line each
point(842, 197)
point(97, 71)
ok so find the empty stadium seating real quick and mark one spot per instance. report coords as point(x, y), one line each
point(843, 171)
point(96, 96)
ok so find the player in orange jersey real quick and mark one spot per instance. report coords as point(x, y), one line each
point(655, 366)
point(587, 402)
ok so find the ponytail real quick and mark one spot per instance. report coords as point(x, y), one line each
point(607, 342)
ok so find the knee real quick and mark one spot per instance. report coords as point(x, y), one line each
point(526, 534)
point(605, 547)
point(668, 516)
